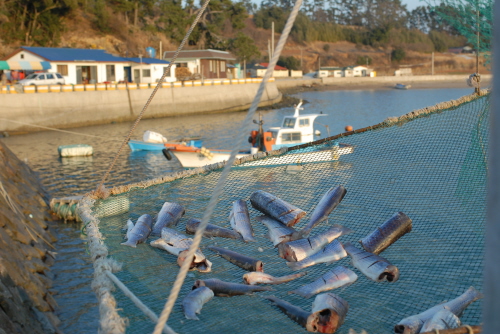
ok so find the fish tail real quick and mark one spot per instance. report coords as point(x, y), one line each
point(476, 294)
point(129, 243)
point(344, 230)
point(191, 316)
point(300, 293)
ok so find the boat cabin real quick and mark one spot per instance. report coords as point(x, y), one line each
point(295, 130)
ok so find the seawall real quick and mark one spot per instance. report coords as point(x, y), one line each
point(72, 109)
point(353, 81)
point(26, 305)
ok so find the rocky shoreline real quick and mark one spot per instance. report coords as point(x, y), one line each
point(26, 251)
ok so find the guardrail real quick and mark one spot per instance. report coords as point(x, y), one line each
point(18, 89)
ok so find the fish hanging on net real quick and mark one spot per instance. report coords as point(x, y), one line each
point(211, 231)
point(373, 266)
point(169, 216)
point(277, 232)
point(228, 289)
point(240, 260)
point(194, 301)
point(139, 232)
point(240, 220)
point(276, 208)
point(337, 277)
point(255, 277)
point(330, 254)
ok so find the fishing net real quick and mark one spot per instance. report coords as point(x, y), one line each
point(430, 164)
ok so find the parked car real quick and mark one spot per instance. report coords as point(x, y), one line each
point(45, 78)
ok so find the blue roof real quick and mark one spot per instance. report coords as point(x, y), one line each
point(148, 60)
point(69, 54)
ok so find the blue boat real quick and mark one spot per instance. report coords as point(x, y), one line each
point(137, 145)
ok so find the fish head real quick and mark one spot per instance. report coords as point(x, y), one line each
point(324, 321)
point(391, 274)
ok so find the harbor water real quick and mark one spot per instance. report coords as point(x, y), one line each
point(73, 176)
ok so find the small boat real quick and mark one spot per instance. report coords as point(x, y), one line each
point(154, 141)
point(402, 86)
point(295, 130)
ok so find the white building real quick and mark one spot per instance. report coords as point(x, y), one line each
point(92, 65)
point(208, 64)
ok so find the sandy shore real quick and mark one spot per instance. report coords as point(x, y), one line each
point(382, 86)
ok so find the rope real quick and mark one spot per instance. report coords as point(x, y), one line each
point(54, 129)
point(137, 301)
point(158, 85)
point(224, 175)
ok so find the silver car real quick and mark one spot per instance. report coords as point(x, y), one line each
point(45, 78)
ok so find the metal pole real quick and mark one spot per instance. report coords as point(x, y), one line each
point(478, 88)
point(272, 40)
point(432, 71)
point(491, 305)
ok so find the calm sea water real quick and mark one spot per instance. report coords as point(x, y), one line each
point(72, 176)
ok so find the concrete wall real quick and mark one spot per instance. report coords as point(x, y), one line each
point(100, 107)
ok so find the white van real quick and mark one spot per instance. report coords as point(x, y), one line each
point(45, 78)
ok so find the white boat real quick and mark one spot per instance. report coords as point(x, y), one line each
point(295, 130)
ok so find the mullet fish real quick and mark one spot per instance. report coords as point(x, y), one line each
point(139, 232)
point(443, 319)
point(242, 261)
point(227, 289)
point(194, 301)
point(329, 311)
point(211, 230)
point(178, 244)
point(413, 324)
point(331, 253)
point(169, 216)
point(316, 322)
point(373, 266)
point(335, 278)
point(240, 220)
point(326, 205)
point(276, 208)
point(384, 236)
point(258, 277)
point(276, 231)
point(298, 250)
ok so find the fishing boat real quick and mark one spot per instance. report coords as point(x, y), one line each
point(402, 86)
point(295, 130)
point(154, 141)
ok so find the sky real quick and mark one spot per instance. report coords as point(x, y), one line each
point(412, 4)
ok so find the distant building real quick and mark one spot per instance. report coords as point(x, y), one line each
point(91, 65)
point(348, 71)
point(259, 70)
point(335, 72)
point(208, 64)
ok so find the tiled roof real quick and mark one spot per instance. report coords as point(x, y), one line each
point(276, 68)
point(69, 54)
point(197, 54)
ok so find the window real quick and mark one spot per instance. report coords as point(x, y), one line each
point(293, 137)
point(50, 76)
point(223, 66)
point(110, 73)
point(41, 77)
point(63, 69)
point(210, 63)
point(289, 123)
point(59, 76)
point(168, 72)
point(22, 55)
point(304, 122)
point(146, 73)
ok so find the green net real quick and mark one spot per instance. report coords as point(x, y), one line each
point(431, 166)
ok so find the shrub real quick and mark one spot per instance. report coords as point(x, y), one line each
point(398, 54)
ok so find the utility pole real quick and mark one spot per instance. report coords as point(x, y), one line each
point(272, 41)
point(161, 54)
point(432, 72)
point(301, 68)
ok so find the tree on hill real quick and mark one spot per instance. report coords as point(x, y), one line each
point(244, 48)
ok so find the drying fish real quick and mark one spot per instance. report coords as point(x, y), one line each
point(414, 323)
point(277, 232)
point(211, 230)
point(276, 208)
point(258, 277)
point(227, 289)
point(169, 216)
point(335, 278)
point(443, 319)
point(384, 236)
point(178, 244)
point(240, 220)
point(238, 259)
point(293, 312)
point(373, 266)
point(329, 311)
point(326, 205)
point(127, 228)
point(331, 253)
point(194, 301)
point(139, 232)
point(298, 250)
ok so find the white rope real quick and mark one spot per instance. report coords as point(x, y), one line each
point(137, 301)
point(225, 173)
point(54, 129)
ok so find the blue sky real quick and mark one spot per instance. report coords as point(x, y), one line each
point(412, 4)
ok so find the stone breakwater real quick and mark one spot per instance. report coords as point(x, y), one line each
point(26, 251)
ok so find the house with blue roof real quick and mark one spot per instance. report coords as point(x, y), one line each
point(93, 65)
